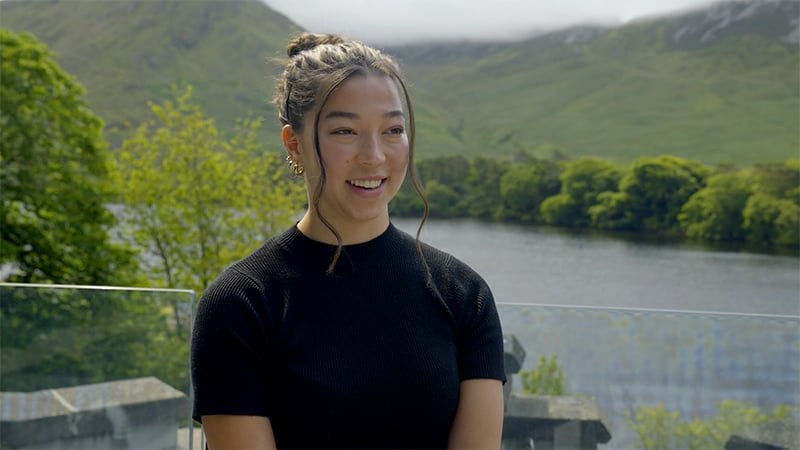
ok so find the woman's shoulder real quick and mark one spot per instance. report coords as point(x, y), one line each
point(440, 262)
point(448, 265)
point(254, 273)
point(250, 287)
point(462, 289)
point(263, 262)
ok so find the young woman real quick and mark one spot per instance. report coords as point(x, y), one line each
point(343, 331)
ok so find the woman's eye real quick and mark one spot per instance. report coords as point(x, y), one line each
point(343, 131)
point(396, 130)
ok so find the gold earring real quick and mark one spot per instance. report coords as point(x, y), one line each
point(296, 167)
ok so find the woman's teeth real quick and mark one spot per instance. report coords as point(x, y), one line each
point(366, 184)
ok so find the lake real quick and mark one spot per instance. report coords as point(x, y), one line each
point(525, 264)
point(599, 303)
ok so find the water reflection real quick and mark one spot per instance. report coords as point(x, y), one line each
point(547, 266)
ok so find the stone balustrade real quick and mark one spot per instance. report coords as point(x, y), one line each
point(141, 413)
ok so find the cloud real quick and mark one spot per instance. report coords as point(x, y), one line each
point(398, 22)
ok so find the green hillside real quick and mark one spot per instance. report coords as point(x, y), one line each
point(618, 94)
point(129, 52)
point(642, 89)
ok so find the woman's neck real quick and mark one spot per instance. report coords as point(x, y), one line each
point(351, 233)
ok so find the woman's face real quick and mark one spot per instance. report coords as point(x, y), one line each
point(364, 148)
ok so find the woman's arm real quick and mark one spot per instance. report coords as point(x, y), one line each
point(238, 432)
point(479, 418)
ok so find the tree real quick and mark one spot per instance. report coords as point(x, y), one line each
point(406, 202)
point(449, 171)
point(524, 186)
point(582, 181)
point(715, 212)
point(657, 187)
point(482, 194)
point(770, 220)
point(772, 213)
point(780, 180)
point(56, 228)
point(613, 211)
point(53, 174)
point(53, 337)
point(563, 210)
point(442, 199)
point(194, 201)
point(443, 178)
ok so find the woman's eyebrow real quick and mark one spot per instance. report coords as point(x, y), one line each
point(341, 114)
point(391, 114)
point(351, 115)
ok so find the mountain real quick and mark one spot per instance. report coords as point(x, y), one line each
point(713, 84)
point(127, 53)
point(718, 84)
point(774, 20)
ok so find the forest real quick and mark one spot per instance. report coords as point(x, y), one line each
point(663, 195)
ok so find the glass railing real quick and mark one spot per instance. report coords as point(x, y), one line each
point(94, 367)
point(91, 367)
point(652, 378)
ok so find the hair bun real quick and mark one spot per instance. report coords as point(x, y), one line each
point(307, 41)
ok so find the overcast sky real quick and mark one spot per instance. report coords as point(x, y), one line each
point(403, 21)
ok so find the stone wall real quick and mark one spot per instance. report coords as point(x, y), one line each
point(128, 414)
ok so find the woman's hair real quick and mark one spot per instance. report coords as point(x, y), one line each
point(317, 65)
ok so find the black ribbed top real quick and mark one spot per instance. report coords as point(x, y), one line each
point(368, 357)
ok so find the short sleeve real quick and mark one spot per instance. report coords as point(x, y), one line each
point(232, 349)
point(480, 337)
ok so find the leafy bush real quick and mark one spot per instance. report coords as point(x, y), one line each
point(547, 378)
point(658, 428)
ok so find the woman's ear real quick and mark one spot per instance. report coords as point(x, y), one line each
point(290, 141)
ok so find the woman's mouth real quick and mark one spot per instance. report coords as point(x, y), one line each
point(366, 184)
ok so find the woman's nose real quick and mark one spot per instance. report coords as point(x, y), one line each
point(371, 151)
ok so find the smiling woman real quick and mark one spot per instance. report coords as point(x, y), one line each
point(343, 331)
point(364, 152)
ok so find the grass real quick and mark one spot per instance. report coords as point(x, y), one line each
point(628, 92)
